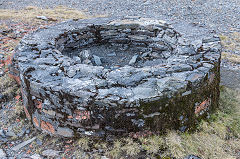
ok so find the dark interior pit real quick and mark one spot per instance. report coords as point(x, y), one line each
point(107, 56)
point(110, 56)
point(113, 47)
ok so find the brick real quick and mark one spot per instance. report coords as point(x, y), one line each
point(8, 61)
point(35, 120)
point(82, 115)
point(205, 104)
point(46, 126)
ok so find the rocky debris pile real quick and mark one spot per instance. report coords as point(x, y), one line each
point(166, 81)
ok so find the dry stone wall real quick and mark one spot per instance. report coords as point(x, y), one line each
point(167, 81)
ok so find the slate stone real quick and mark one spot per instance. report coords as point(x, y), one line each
point(2, 154)
point(192, 157)
point(2, 133)
point(66, 132)
point(133, 60)
point(112, 54)
point(85, 54)
point(97, 60)
point(36, 156)
point(10, 133)
point(21, 145)
point(50, 153)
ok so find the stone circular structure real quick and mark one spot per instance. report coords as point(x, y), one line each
point(116, 75)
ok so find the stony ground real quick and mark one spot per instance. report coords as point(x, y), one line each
point(219, 138)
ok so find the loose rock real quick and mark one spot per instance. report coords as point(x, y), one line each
point(50, 153)
point(133, 60)
point(2, 154)
point(42, 17)
point(97, 60)
point(192, 157)
point(21, 145)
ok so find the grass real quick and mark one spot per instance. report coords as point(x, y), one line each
point(8, 87)
point(30, 13)
point(231, 57)
point(216, 138)
point(231, 45)
point(83, 143)
point(153, 144)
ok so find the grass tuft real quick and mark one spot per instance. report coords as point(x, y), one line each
point(8, 86)
point(116, 151)
point(153, 144)
point(231, 57)
point(231, 45)
point(83, 143)
point(131, 148)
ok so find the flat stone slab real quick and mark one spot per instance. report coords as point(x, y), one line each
point(166, 81)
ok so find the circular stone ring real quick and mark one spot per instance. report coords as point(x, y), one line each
point(116, 75)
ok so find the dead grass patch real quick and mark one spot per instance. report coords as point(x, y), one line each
point(219, 137)
point(231, 45)
point(8, 86)
point(231, 57)
point(30, 13)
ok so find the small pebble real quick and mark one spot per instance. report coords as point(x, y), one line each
point(42, 17)
point(39, 142)
point(111, 54)
point(192, 157)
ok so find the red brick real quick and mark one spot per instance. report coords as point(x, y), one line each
point(8, 60)
point(82, 115)
point(205, 104)
point(36, 121)
point(47, 127)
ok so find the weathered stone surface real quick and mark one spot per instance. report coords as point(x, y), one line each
point(192, 157)
point(2, 154)
point(21, 145)
point(50, 153)
point(133, 60)
point(150, 79)
point(97, 60)
point(66, 132)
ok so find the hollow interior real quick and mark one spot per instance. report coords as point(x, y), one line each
point(112, 47)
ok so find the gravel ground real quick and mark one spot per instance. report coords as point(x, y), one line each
point(219, 15)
